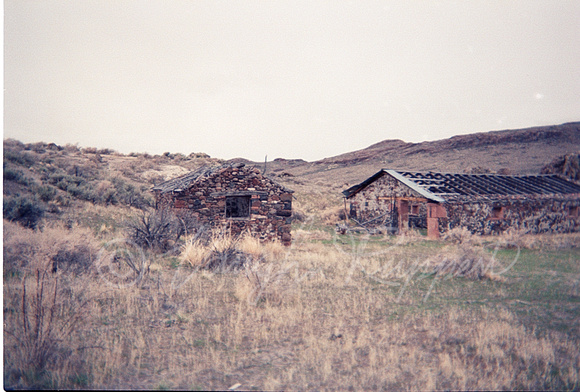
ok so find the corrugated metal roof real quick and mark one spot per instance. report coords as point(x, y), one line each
point(414, 186)
point(439, 186)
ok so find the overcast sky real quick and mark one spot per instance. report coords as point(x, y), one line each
point(292, 79)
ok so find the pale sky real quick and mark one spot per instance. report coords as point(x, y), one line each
point(291, 79)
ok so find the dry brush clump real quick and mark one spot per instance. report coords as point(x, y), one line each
point(524, 240)
point(460, 235)
point(465, 261)
point(72, 250)
point(160, 229)
point(220, 250)
point(48, 294)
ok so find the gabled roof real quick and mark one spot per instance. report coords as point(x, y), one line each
point(183, 182)
point(440, 186)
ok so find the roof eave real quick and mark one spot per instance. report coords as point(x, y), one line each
point(415, 187)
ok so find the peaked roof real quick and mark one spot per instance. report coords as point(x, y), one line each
point(439, 186)
point(183, 182)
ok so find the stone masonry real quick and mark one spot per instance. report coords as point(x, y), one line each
point(486, 204)
point(234, 197)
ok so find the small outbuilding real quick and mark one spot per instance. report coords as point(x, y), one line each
point(482, 203)
point(235, 197)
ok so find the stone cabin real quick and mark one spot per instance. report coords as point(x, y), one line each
point(234, 197)
point(482, 203)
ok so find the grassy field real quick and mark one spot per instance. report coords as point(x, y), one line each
point(88, 304)
point(330, 312)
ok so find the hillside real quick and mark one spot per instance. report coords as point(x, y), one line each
point(103, 292)
point(518, 151)
point(57, 177)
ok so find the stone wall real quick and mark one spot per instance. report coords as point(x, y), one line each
point(529, 214)
point(270, 214)
point(388, 202)
point(379, 203)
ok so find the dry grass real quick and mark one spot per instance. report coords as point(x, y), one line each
point(460, 235)
point(343, 315)
point(521, 239)
point(465, 261)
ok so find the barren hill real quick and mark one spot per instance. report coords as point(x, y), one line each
point(512, 151)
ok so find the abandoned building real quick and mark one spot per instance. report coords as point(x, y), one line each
point(235, 197)
point(482, 203)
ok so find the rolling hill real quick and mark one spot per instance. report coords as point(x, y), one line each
point(520, 151)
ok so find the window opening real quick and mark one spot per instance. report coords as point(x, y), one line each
point(497, 213)
point(238, 206)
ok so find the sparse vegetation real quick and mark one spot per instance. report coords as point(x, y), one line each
point(159, 229)
point(25, 210)
point(92, 303)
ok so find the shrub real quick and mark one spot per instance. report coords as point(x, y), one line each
point(459, 235)
point(298, 215)
point(160, 229)
point(20, 157)
point(46, 193)
point(55, 248)
point(223, 251)
point(39, 147)
point(466, 261)
point(195, 252)
point(106, 151)
point(333, 215)
point(24, 210)
point(41, 316)
point(130, 195)
point(45, 309)
point(17, 176)
point(78, 258)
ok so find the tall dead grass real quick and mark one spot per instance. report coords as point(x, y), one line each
point(222, 250)
point(48, 294)
point(308, 317)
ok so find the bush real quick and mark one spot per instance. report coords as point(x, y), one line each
point(130, 195)
point(221, 251)
point(106, 192)
point(39, 147)
point(46, 193)
point(466, 261)
point(26, 211)
point(459, 235)
point(78, 259)
point(17, 176)
point(54, 248)
point(20, 157)
point(46, 308)
point(42, 315)
point(160, 229)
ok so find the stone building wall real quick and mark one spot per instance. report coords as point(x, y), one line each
point(380, 204)
point(270, 204)
point(529, 214)
point(377, 204)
